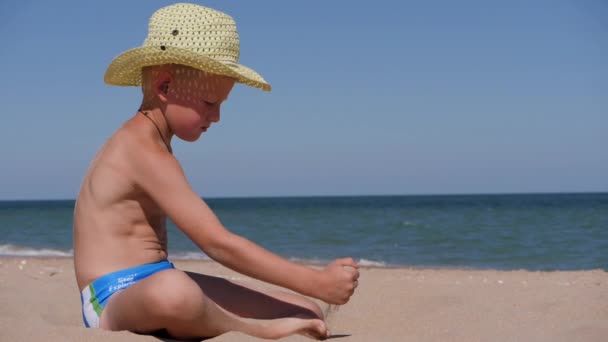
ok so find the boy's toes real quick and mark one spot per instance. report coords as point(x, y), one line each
point(316, 330)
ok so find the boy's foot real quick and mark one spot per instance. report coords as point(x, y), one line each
point(282, 327)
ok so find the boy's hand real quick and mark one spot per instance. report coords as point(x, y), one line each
point(338, 281)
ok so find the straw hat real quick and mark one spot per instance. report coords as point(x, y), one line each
point(186, 34)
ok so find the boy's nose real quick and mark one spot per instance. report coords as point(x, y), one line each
point(215, 116)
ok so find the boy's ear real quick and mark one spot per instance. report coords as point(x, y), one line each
point(164, 87)
point(161, 85)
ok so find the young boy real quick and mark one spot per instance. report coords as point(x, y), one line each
point(186, 67)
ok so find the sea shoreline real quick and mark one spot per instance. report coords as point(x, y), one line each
point(363, 264)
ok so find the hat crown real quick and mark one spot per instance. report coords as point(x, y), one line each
point(190, 35)
point(196, 28)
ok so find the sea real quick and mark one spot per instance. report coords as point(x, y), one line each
point(539, 232)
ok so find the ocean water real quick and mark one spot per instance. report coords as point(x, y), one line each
point(531, 231)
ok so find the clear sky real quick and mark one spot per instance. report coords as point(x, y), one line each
point(374, 97)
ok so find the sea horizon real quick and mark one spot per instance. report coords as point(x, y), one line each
point(352, 195)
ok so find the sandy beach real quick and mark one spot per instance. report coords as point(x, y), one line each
point(40, 302)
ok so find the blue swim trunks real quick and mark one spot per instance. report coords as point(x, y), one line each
point(95, 296)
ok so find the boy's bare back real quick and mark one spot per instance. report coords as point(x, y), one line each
point(116, 223)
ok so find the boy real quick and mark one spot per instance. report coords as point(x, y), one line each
point(187, 66)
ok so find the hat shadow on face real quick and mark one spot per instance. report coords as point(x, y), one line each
point(192, 87)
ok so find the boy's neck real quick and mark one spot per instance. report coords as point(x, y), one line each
point(157, 118)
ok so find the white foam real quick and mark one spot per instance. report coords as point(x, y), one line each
point(365, 262)
point(9, 250)
point(361, 262)
point(314, 261)
point(12, 250)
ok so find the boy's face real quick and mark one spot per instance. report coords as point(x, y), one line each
point(193, 101)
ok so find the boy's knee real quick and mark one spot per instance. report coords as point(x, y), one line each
point(176, 295)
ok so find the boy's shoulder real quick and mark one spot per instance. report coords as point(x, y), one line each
point(133, 143)
point(126, 159)
point(148, 162)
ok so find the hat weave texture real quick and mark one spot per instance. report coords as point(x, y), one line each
point(186, 34)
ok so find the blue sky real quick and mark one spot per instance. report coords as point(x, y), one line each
point(383, 97)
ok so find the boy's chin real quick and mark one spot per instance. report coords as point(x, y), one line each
point(189, 137)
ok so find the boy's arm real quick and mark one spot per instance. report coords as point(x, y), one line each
point(160, 175)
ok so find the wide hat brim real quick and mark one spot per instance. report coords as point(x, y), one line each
point(125, 69)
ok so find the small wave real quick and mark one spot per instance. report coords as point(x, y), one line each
point(361, 262)
point(313, 261)
point(12, 250)
point(408, 223)
point(365, 262)
point(9, 250)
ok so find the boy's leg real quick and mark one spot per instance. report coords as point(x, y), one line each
point(248, 302)
point(171, 300)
